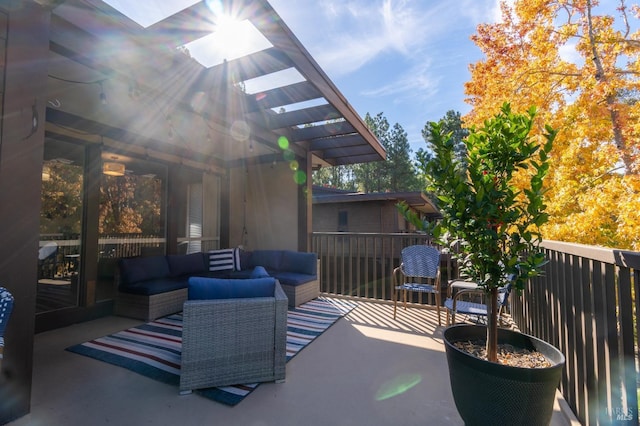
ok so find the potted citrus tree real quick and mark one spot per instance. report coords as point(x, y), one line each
point(492, 204)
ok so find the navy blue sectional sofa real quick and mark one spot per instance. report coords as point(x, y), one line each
point(155, 286)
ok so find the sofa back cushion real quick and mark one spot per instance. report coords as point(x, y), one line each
point(224, 260)
point(300, 262)
point(201, 288)
point(136, 269)
point(186, 264)
point(268, 259)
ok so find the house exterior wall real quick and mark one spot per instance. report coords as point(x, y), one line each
point(366, 216)
point(270, 215)
point(25, 28)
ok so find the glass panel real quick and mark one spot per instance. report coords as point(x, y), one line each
point(60, 226)
point(131, 221)
point(201, 231)
point(194, 217)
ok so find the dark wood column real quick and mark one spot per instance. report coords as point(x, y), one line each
point(24, 49)
point(305, 219)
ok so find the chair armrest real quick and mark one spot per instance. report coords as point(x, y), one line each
point(466, 292)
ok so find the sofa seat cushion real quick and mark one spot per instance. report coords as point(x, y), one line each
point(155, 286)
point(135, 269)
point(186, 264)
point(224, 274)
point(293, 278)
point(201, 288)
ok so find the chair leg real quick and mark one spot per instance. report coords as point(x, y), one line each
point(395, 302)
point(438, 307)
point(404, 299)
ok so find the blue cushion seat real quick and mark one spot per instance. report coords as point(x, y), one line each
point(294, 278)
point(201, 288)
point(156, 286)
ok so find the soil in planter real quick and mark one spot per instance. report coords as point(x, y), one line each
point(507, 354)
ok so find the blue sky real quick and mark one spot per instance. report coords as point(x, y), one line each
point(405, 58)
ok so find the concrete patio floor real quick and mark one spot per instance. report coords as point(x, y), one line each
point(367, 369)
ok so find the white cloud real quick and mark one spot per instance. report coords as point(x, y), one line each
point(569, 53)
point(356, 32)
point(417, 83)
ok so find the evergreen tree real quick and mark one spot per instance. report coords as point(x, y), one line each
point(396, 174)
point(450, 123)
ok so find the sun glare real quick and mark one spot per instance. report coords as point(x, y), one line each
point(230, 39)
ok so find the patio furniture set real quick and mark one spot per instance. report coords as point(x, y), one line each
point(234, 308)
point(419, 272)
point(155, 286)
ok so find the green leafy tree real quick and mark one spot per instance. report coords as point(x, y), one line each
point(491, 214)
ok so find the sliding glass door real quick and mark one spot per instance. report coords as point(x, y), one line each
point(61, 216)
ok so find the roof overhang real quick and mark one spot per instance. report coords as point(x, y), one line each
point(159, 97)
point(417, 200)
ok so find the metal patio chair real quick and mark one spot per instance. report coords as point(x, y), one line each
point(470, 302)
point(419, 272)
point(6, 306)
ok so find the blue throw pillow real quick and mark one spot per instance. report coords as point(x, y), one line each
point(259, 272)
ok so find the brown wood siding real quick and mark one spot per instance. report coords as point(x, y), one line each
point(21, 154)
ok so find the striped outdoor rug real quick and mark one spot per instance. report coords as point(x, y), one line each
point(153, 349)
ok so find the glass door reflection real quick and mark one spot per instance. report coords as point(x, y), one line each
point(59, 260)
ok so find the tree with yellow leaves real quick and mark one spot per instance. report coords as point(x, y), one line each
point(579, 64)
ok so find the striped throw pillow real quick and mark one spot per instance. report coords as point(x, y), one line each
point(224, 260)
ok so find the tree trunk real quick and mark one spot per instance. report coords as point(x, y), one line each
point(492, 325)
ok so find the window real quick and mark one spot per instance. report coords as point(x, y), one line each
point(343, 221)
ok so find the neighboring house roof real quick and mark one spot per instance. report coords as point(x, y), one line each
point(416, 199)
point(193, 109)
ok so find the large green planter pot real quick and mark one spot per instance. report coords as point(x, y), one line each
point(488, 393)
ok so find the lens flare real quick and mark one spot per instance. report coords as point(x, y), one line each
point(397, 386)
point(215, 6)
point(240, 130)
point(198, 101)
point(294, 165)
point(289, 155)
point(299, 177)
point(283, 142)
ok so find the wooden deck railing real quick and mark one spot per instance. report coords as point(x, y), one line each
point(585, 305)
point(361, 264)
